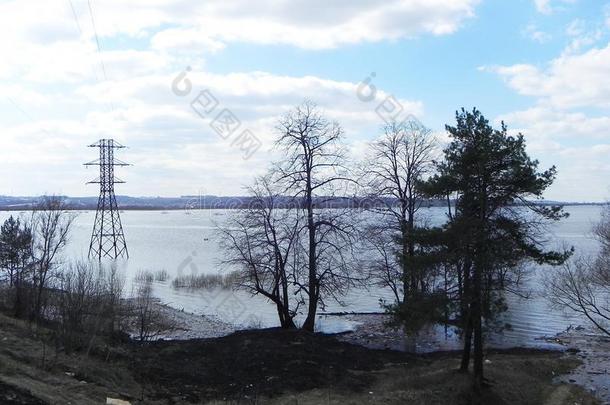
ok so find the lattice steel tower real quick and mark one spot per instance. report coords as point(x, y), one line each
point(107, 238)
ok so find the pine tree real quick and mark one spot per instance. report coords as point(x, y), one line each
point(496, 221)
point(15, 256)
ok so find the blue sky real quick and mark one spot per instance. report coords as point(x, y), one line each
point(540, 65)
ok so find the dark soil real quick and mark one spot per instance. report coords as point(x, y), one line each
point(249, 364)
point(10, 395)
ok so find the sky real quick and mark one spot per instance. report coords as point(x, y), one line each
point(195, 88)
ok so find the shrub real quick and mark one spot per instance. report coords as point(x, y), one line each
point(161, 275)
point(206, 281)
point(144, 276)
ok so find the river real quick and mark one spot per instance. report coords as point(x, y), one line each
point(184, 242)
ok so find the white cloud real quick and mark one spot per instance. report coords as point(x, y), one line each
point(55, 45)
point(58, 98)
point(544, 123)
point(185, 39)
point(168, 140)
point(318, 24)
point(543, 6)
point(323, 24)
point(536, 35)
point(577, 144)
point(576, 28)
point(568, 124)
point(549, 6)
point(212, 24)
point(570, 80)
point(584, 40)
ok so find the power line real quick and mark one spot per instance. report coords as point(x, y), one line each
point(80, 31)
point(99, 48)
point(28, 116)
point(25, 113)
point(97, 40)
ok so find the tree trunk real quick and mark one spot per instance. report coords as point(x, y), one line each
point(286, 321)
point(478, 329)
point(38, 302)
point(415, 277)
point(410, 342)
point(310, 321)
point(467, 345)
point(309, 324)
point(280, 313)
point(18, 306)
point(289, 321)
point(466, 300)
point(290, 324)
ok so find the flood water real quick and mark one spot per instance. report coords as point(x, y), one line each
point(184, 242)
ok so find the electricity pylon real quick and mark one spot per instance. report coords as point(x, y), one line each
point(107, 238)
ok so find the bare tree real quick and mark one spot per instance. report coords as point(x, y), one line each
point(113, 285)
point(261, 241)
point(584, 286)
point(50, 224)
point(149, 320)
point(399, 161)
point(87, 303)
point(79, 290)
point(314, 167)
point(579, 288)
point(383, 259)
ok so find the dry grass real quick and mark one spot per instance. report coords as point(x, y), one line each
point(31, 365)
point(148, 276)
point(161, 275)
point(144, 276)
point(515, 379)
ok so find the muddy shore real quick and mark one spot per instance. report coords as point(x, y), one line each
point(594, 352)
point(187, 325)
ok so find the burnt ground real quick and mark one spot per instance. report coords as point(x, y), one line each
point(250, 364)
point(273, 367)
point(10, 395)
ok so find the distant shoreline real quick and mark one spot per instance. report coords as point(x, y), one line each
point(211, 202)
point(161, 209)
